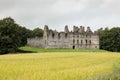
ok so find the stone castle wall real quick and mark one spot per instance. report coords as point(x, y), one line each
point(78, 38)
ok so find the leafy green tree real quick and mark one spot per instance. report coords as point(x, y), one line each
point(37, 32)
point(115, 39)
point(110, 39)
point(29, 33)
point(25, 33)
point(9, 36)
point(13, 35)
point(23, 36)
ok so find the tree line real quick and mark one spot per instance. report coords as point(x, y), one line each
point(13, 36)
point(110, 39)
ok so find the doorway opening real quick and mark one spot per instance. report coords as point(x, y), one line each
point(73, 47)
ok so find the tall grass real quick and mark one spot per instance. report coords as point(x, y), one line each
point(114, 75)
point(60, 66)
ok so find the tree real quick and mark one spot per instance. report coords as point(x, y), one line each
point(110, 39)
point(23, 36)
point(29, 33)
point(13, 35)
point(25, 33)
point(37, 32)
point(115, 39)
point(10, 38)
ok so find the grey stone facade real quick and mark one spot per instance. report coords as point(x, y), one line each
point(76, 39)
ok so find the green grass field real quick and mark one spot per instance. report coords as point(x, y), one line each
point(41, 50)
point(75, 65)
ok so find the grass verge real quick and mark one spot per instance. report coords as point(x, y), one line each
point(39, 50)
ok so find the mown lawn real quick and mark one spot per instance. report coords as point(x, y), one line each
point(59, 66)
point(39, 50)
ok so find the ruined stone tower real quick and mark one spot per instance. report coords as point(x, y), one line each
point(79, 38)
point(66, 30)
point(45, 35)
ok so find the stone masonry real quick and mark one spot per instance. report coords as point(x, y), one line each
point(76, 39)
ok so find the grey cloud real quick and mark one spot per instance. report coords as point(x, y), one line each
point(57, 13)
point(6, 4)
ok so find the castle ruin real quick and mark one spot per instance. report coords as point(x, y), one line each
point(76, 39)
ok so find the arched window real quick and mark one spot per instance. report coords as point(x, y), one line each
point(73, 41)
point(73, 47)
point(66, 35)
point(77, 41)
point(58, 35)
point(86, 41)
point(53, 35)
point(95, 46)
point(89, 41)
point(81, 41)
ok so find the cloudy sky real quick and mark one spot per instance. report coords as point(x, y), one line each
point(58, 13)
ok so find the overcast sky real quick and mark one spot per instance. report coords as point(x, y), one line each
point(58, 13)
